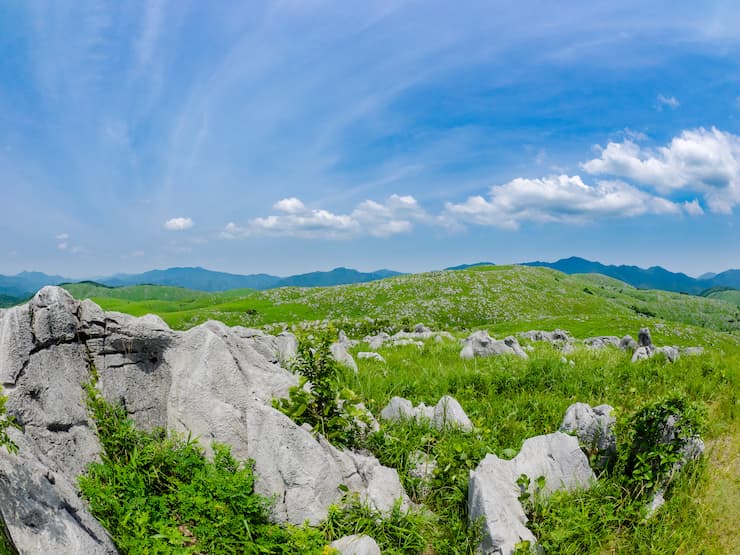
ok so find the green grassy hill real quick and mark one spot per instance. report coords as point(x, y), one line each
point(504, 299)
point(729, 296)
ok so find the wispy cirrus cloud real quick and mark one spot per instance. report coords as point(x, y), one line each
point(667, 102)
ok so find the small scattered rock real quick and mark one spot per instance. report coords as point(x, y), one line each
point(601, 341)
point(356, 545)
point(627, 343)
point(480, 344)
point(341, 355)
point(371, 355)
point(449, 413)
point(671, 353)
point(446, 413)
point(644, 339)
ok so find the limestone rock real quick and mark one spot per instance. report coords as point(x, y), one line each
point(493, 491)
point(627, 343)
point(397, 408)
point(356, 545)
point(341, 355)
point(643, 353)
point(594, 429)
point(446, 413)
point(292, 465)
point(555, 336)
point(213, 381)
point(480, 344)
point(449, 413)
point(644, 339)
point(601, 341)
point(671, 353)
point(376, 341)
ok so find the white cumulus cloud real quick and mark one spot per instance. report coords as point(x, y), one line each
point(178, 224)
point(378, 219)
point(290, 205)
point(557, 198)
point(693, 208)
point(706, 161)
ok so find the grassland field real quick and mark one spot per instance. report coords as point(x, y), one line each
point(510, 399)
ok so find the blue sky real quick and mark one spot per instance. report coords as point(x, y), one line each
point(290, 136)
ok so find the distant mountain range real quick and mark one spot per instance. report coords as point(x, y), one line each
point(654, 277)
point(25, 284)
point(16, 288)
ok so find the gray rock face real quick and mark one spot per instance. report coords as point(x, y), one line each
point(480, 344)
point(41, 508)
point(494, 493)
point(356, 545)
point(397, 408)
point(446, 413)
point(213, 381)
point(594, 429)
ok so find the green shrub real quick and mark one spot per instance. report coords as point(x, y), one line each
point(319, 400)
point(654, 452)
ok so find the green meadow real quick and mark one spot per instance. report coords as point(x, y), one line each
point(510, 399)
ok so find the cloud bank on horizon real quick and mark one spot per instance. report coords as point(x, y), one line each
point(179, 133)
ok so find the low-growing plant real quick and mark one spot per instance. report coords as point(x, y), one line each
point(157, 492)
point(658, 433)
point(6, 422)
point(397, 532)
point(319, 400)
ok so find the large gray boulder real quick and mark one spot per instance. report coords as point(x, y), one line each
point(212, 381)
point(593, 426)
point(356, 545)
point(480, 344)
point(493, 492)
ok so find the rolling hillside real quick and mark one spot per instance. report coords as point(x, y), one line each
point(503, 298)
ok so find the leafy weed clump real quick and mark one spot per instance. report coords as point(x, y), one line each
point(319, 400)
